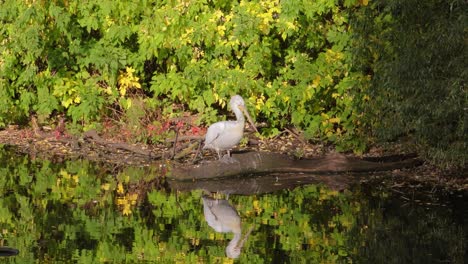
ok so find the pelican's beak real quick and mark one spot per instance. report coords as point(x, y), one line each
point(241, 243)
point(246, 113)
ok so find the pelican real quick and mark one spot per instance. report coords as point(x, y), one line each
point(225, 135)
point(223, 218)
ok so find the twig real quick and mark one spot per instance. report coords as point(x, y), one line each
point(197, 153)
point(186, 151)
point(94, 137)
point(175, 143)
point(280, 133)
point(177, 201)
point(183, 138)
point(295, 135)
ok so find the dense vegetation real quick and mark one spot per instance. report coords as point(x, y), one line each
point(416, 53)
point(341, 71)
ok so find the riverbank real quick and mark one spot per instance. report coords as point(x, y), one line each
point(183, 150)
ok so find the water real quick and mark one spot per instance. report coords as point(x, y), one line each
point(81, 212)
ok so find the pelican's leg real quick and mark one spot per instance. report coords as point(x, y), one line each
point(228, 159)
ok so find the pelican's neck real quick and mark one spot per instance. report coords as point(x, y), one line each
point(239, 115)
point(233, 249)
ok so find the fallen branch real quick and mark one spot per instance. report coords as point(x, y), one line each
point(92, 136)
point(184, 138)
point(186, 151)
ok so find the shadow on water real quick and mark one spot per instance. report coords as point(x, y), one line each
point(412, 226)
point(8, 252)
point(81, 212)
point(261, 184)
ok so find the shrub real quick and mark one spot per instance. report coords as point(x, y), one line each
point(291, 61)
point(416, 52)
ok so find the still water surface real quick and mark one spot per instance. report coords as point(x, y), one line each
point(80, 212)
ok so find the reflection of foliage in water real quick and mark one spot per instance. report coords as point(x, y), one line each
point(304, 225)
point(76, 211)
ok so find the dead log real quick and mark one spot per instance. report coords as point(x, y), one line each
point(266, 162)
point(92, 136)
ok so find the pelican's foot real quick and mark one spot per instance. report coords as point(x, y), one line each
point(228, 159)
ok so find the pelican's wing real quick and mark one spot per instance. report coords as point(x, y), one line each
point(210, 217)
point(214, 131)
point(225, 215)
point(208, 204)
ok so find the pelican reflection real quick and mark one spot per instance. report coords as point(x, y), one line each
point(223, 218)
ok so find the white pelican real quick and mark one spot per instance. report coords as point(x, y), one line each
point(225, 135)
point(223, 218)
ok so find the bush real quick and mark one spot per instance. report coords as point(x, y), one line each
point(416, 53)
point(292, 61)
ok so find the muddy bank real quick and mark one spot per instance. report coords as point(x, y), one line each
point(184, 153)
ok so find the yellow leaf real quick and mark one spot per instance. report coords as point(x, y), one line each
point(255, 204)
point(67, 102)
point(109, 90)
point(334, 120)
point(123, 91)
point(130, 70)
point(120, 189)
point(260, 103)
point(284, 35)
point(221, 30)
point(316, 81)
point(126, 210)
point(64, 174)
point(121, 201)
point(290, 25)
point(105, 186)
point(228, 260)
